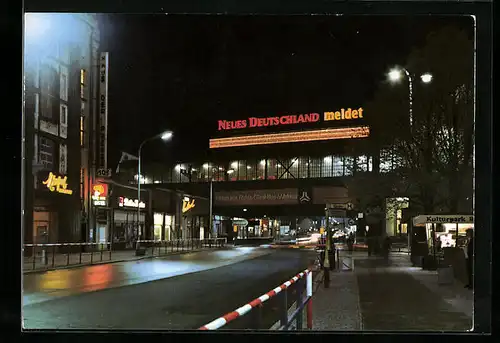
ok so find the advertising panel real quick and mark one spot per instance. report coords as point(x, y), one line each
point(257, 197)
point(103, 110)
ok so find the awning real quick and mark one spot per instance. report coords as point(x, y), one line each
point(445, 219)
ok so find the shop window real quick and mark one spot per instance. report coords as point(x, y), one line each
point(303, 165)
point(46, 153)
point(327, 166)
point(348, 165)
point(274, 168)
point(232, 171)
point(242, 170)
point(385, 161)
point(251, 167)
point(204, 172)
point(314, 167)
point(293, 171)
point(261, 169)
point(338, 166)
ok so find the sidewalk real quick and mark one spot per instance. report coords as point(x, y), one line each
point(397, 297)
point(73, 260)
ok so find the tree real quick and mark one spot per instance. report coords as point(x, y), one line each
point(436, 148)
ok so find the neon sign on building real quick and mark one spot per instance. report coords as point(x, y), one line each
point(57, 184)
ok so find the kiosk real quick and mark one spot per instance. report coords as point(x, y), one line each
point(446, 238)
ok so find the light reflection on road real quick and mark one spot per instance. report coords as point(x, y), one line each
point(66, 282)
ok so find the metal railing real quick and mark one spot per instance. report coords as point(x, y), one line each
point(60, 255)
point(160, 248)
point(52, 255)
point(301, 283)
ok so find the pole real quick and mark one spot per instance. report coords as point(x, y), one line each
point(410, 95)
point(210, 214)
point(139, 196)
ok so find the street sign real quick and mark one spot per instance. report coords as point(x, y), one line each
point(103, 172)
point(347, 206)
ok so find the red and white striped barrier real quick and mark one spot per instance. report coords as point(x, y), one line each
point(221, 321)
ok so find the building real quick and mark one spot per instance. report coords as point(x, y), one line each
point(322, 159)
point(60, 111)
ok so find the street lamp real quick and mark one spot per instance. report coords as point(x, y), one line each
point(165, 136)
point(396, 74)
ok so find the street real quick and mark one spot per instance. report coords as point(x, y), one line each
point(146, 295)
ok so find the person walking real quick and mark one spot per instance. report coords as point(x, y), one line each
point(470, 259)
point(386, 248)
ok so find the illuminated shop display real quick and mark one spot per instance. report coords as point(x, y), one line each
point(99, 194)
point(187, 204)
point(291, 137)
point(57, 184)
point(450, 230)
point(126, 202)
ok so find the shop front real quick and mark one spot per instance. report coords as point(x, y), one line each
point(194, 213)
point(55, 210)
point(445, 236)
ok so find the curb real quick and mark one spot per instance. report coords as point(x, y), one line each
point(74, 266)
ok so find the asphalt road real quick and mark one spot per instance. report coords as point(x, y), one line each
point(174, 303)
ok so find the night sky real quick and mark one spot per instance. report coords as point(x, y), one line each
point(183, 72)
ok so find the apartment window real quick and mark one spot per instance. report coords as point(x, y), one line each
point(46, 152)
point(63, 159)
point(35, 148)
point(63, 83)
point(82, 184)
point(83, 82)
point(64, 53)
point(82, 132)
point(64, 115)
point(36, 111)
point(49, 92)
point(83, 77)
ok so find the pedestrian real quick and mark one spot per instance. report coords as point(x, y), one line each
point(386, 248)
point(470, 258)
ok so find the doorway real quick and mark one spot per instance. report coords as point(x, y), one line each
point(41, 227)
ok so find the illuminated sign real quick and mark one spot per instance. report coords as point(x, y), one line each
point(291, 137)
point(257, 197)
point(187, 204)
point(344, 114)
point(268, 121)
point(126, 202)
point(57, 184)
point(99, 194)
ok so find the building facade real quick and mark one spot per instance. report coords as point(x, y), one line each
point(60, 91)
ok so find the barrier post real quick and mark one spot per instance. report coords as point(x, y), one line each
point(300, 291)
point(284, 308)
point(34, 256)
point(257, 317)
point(309, 302)
point(67, 259)
point(101, 251)
point(53, 255)
point(91, 255)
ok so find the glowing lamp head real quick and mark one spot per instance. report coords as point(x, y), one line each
point(426, 78)
point(167, 135)
point(394, 75)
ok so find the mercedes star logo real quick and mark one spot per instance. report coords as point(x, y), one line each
point(304, 197)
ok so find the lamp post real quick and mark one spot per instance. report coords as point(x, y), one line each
point(396, 74)
point(166, 136)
